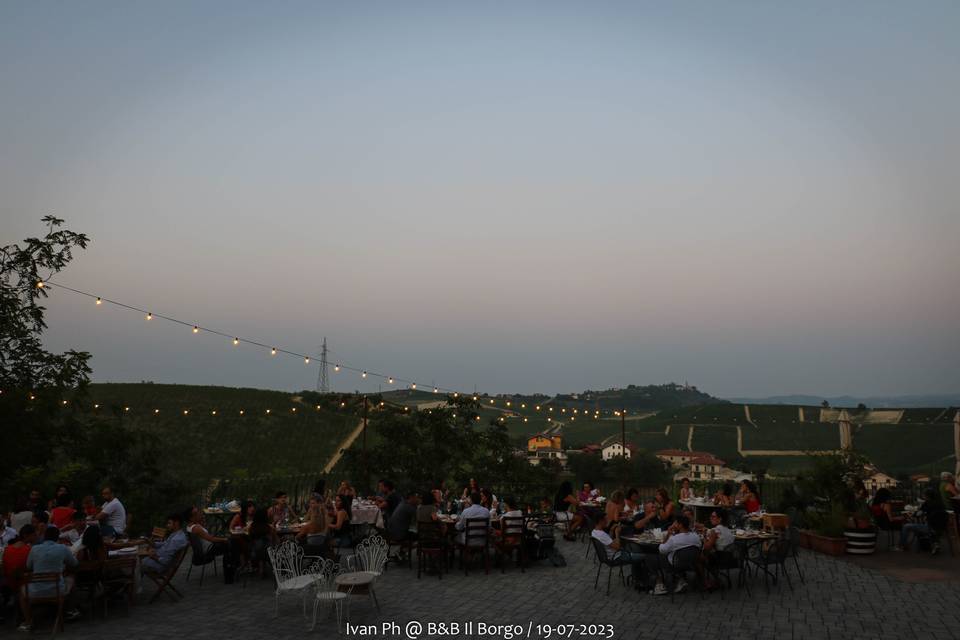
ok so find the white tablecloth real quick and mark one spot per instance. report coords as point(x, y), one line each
point(366, 514)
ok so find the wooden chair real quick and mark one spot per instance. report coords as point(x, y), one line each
point(119, 575)
point(158, 533)
point(510, 540)
point(476, 539)
point(55, 598)
point(164, 579)
point(430, 548)
point(87, 577)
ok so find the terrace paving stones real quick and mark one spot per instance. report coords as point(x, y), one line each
point(839, 600)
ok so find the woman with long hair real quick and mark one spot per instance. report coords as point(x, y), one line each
point(245, 516)
point(562, 502)
point(751, 496)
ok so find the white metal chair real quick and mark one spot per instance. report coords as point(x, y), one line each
point(368, 561)
point(327, 592)
point(287, 562)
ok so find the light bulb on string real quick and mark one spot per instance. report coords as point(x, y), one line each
point(435, 390)
point(186, 411)
point(40, 284)
point(196, 329)
point(389, 380)
point(413, 385)
point(149, 316)
point(156, 411)
point(241, 411)
point(273, 351)
point(99, 301)
point(306, 360)
point(268, 410)
point(236, 341)
point(336, 368)
point(363, 375)
point(214, 412)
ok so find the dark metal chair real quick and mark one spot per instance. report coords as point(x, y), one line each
point(605, 561)
point(684, 560)
point(431, 548)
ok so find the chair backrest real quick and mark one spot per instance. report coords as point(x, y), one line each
point(476, 531)
point(371, 554)
point(198, 557)
point(429, 535)
point(43, 579)
point(545, 531)
point(512, 526)
point(286, 560)
point(324, 573)
point(120, 567)
point(601, 550)
point(685, 558)
point(158, 533)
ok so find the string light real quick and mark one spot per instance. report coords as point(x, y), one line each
point(156, 411)
point(364, 374)
point(96, 406)
point(186, 411)
point(196, 329)
point(126, 408)
point(99, 301)
point(413, 385)
point(273, 351)
point(390, 380)
point(214, 412)
point(336, 368)
point(268, 410)
point(306, 360)
point(236, 341)
point(149, 316)
point(40, 284)
point(435, 390)
point(241, 411)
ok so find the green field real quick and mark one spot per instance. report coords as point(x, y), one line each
point(720, 441)
point(204, 445)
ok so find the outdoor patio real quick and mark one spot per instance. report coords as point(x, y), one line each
point(840, 599)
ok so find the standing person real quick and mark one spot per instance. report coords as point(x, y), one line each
point(112, 516)
point(948, 489)
point(562, 502)
point(49, 557)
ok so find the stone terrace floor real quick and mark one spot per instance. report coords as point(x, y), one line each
point(840, 599)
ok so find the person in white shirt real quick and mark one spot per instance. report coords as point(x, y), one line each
point(719, 538)
point(678, 537)
point(475, 510)
point(112, 516)
point(614, 548)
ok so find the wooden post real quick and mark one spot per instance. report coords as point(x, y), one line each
point(623, 445)
point(366, 461)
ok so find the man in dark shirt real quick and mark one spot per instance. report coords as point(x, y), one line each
point(401, 521)
point(387, 499)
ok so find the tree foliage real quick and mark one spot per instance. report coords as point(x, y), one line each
point(44, 441)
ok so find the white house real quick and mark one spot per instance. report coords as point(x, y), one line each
point(879, 480)
point(615, 450)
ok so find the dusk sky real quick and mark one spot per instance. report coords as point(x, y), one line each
point(756, 197)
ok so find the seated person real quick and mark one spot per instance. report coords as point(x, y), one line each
point(474, 511)
point(679, 536)
point(260, 535)
point(91, 547)
point(515, 532)
point(112, 515)
point(40, 521)
point(933, 511)
point(62, 515)
point(882, 510)
point(631, 502)
point(340, 527)
point(686, 493)
point(614, 548)
point(750, 496)
point(387, 498)
point(403, 519)
point(719, 538)
point(162, 554)
point(313, 535)
point(665, 508)
point(647, 519)
point(72, 534)
point(15, 557)
point(48, 557)
point(615, 506)
point(346, 490)
point(281, 511)
point(244, 518)
point(210, 545)
point(427, 510)
point(472, 486)
point(724, 497)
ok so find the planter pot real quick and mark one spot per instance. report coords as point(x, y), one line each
point(826, 544)
point(805, 539)
point(861, 541)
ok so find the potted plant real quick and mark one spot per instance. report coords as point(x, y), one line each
point(825, 534)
